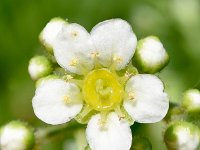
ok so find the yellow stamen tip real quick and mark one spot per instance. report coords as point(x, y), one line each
point(74, 34)
point(66, 99)
point(74, 62)
point(95, 54)
point(117, 59)
point(68, 77)
point(131, 96)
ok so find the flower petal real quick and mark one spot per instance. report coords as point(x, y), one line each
point(57, 102)
point(114, 39)
point(150, 103)
point(73, 49)
point(50, 31)
point(115, 135)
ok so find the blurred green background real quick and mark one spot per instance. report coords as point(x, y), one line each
point(175, 22)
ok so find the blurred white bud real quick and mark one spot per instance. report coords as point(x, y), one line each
point(39, 66)
point(16, 135)
point(49, 33)
point(191, 100)
point(150, 55)
point(182, 136)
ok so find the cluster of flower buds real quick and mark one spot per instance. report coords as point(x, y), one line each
point(185, 134)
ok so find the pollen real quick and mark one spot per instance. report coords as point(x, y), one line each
point(117, 59)
point(68, 77)
point(74, 62)
point(74, 34)
point(94, 54)
point(66, 99)
point(131, 96)
point(128, 74)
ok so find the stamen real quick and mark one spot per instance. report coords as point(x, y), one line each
point(67, 77)
point(103, 119)
point(120, 113)
point(128, 74)
point(74, 62)
point(116, 60)
point(72, 99)
point(84, 112)
point(94, 56)
point(131, 96)
point(66, 99)
point(74, 34)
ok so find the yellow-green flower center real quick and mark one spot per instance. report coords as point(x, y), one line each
point(102, 90)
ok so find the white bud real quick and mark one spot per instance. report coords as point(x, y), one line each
point(191, 100)
point(150, 55)
point(39, 66)
point(16, 135)
point(49, 33)
point(182, 136)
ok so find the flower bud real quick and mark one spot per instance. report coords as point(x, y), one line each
point(182, 136)
point(150, 55)
point(16, 135)
point(141, 143)
point(191, 100)
point(49, 33)
point(39, 66)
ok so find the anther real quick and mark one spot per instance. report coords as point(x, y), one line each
point(128, 74)
point(117, 59)
point(94, 54)
point(74, 34)
point(119, 112)
point(131, 96)
point(66, 99)
point(67, 77)
point(74, 62)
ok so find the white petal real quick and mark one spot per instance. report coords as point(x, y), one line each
point(73, 49)
point(50, 31)
point(114, 38)
point(116, 135)
point(150, 102)
point(49, 104)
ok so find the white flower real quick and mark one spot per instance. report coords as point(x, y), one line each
point(16, 136)
point(98, 58)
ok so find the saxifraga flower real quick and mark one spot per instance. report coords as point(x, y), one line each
point(106, 83)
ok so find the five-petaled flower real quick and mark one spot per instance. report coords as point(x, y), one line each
point(107, 82)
